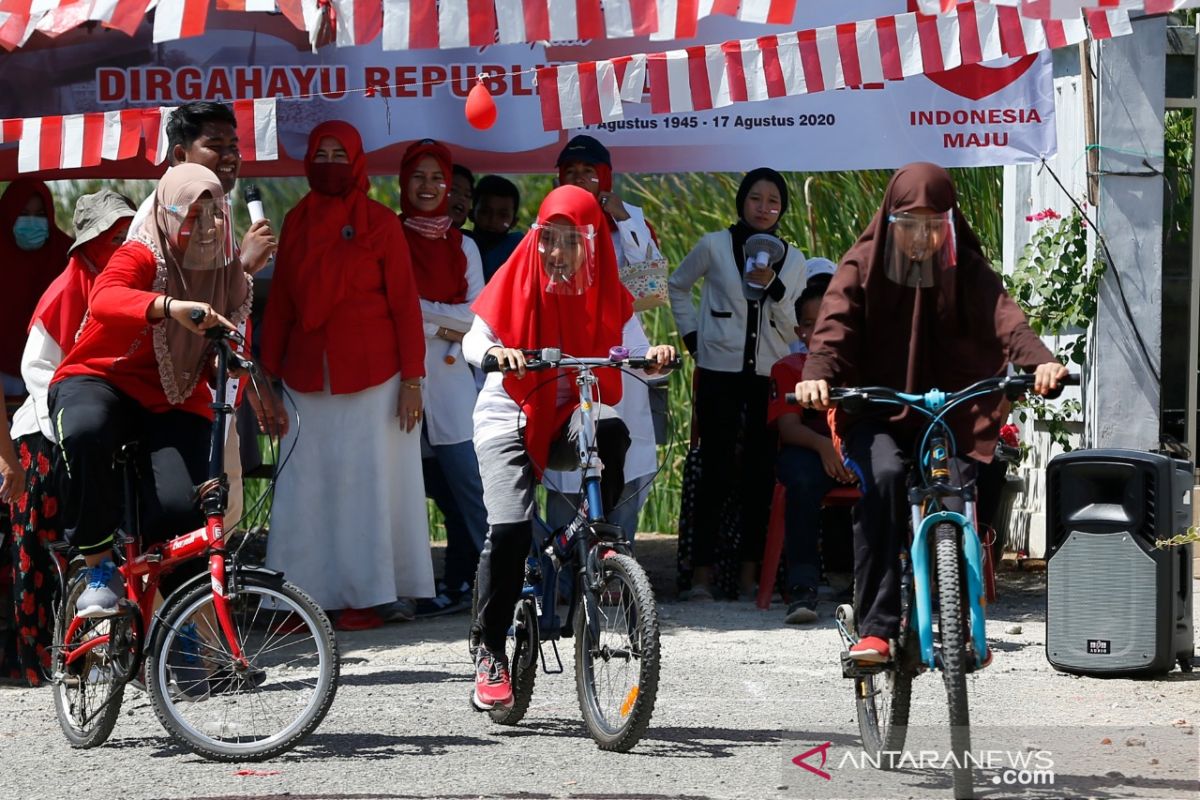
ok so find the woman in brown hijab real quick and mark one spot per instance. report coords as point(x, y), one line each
point(915, 305)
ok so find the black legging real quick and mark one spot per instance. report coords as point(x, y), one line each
point(881, 522)
point(502, 562)
point(722, 398)
point(93, 420)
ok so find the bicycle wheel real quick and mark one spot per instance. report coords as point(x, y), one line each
point(224, 710)
point(953, 651)
point(882, 702)
point(89, 691)
point(617, 654)
point(522, 652)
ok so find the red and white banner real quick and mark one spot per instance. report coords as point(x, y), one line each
point(995, 109)
point(1064, 9)
point(79, 141)
point(810, 61)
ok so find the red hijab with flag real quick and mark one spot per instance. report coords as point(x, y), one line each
point(523, 315)
point(438, 261)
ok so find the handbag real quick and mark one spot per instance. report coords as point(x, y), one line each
point(647, 282)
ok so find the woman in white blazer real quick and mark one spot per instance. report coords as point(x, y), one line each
point(746, 322)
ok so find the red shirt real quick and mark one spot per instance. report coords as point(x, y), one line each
point(117, 342)
point(786, 373)
point(374, 332)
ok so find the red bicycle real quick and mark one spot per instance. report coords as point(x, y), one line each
point(239, 663)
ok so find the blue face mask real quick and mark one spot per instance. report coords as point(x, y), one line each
point(31, 232)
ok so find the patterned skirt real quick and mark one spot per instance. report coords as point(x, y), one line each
point(27, 571)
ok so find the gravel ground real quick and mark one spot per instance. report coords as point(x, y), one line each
point(740, 695)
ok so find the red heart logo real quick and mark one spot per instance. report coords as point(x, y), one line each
point(977, 81)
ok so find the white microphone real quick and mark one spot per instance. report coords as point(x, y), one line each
point(253, 203)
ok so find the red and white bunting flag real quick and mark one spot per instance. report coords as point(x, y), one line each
point(816, 60)
point(624, 18)
point(179, 19)
point(357, 21)
point(121, 15)
point(771, 12)
point(82, 140)
point(122, 134)
point(677, 19)
point(41, 143)
point(246, 5)
point(61, 17)
point(10, 130)
point(474, 23)
point(410, 25)
point(154, 132)
point(258, 129)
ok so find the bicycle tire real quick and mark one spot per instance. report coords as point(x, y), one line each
point(72, 714)
point(524, 640)
point(954, 652)
point(299, 615)
point(637, 705)
point(883, 712)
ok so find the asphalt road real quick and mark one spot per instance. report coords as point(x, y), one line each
point(740, 695)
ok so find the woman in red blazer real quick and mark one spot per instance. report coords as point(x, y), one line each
point(343, 331)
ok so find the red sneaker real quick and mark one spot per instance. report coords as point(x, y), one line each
point(358, 619)
point(493, 686)
point(871, 649)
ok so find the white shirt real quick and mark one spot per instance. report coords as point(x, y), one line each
point(449, 389)
point(496, 413)
point(39, 360)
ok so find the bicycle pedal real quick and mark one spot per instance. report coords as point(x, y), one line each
point(853, 668)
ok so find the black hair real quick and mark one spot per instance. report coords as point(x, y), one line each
point(762, 174)
point(495, 186)
point(186, 122)
point(459, 169)
point(815, 290)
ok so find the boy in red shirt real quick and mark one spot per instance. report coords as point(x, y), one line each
point(809, 465)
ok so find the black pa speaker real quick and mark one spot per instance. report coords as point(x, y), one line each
point(1116, 604)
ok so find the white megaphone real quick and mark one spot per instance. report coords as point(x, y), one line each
point(762, 250)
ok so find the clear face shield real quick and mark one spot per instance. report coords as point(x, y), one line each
point(568, 254)
point(200, 236)
point(919, 247)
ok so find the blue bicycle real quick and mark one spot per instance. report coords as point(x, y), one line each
point(944, 556)
point(611, 611)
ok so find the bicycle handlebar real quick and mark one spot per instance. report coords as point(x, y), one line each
point(221, 337)
point(855, 399)
point(552, 358)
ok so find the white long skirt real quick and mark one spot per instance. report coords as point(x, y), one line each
point(348, 524)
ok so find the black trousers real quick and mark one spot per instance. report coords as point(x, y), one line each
point(502, 562)
point(881, 523)
point(737, 449)
point(93, 420)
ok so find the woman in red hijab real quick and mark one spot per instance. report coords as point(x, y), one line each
point(449, 275)
point(343, 331)
point(33, 250)
point(560, 288)
point(915, 305)
point(101, 224)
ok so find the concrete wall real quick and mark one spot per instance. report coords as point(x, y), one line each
point(1123, 396)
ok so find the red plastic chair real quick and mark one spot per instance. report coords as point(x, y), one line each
point(837, 496)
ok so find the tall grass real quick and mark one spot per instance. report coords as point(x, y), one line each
point(826, 214)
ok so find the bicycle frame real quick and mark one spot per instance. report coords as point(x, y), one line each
point(162, 558)
point(933, 463)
